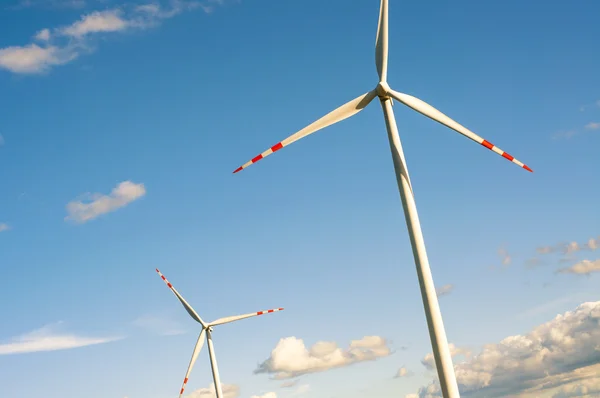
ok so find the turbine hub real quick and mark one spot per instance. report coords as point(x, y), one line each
point(382, 90)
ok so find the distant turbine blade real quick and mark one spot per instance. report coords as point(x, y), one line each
point(429, 111)
point(197, 349)
point(341, 113)
point(228, 319)
point(187, 307)
point(381, 43)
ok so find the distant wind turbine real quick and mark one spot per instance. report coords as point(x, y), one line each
point(207, 329)
point(435, 324)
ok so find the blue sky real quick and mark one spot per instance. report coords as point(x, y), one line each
point(162, 103)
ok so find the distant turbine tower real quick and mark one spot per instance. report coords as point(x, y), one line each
point(435, 324)
point(207, 329)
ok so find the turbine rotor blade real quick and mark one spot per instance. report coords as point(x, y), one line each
point(197, 349)
point(343, 112)
point(185, 304)
point(432, 113)
point(234, 318)
point(381, 43)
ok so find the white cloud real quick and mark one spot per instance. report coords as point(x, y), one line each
point(411, 396)
point(592, 126)
point(429, 361)
point(1, 140)
point(585, 388)
point(564, 134)
point(504, 256)
point(291, 358)
point(33, 59)
point(43, 35)
point(444, 290)
point(158, 325)
point(95, 22)
point(229, 391)
point(585, 267)
point(403, 372)
point(553, 354)
point(267, 395)
point(571, 247)
point(123, 194)
point(50, 3)
point(48, 339)
point(589, 106)
point(289, 383)
point(4, 227)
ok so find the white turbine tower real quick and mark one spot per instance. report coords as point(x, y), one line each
point(207, 329)
point(437, 333)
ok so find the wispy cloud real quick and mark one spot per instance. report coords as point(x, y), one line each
point(592, 126)
point(291, 358)
point(63, 44)
point(4, 227)
point(570, 247)
point(48, 338)
point(585, 267)
point(98, 204)
point(444, 290)
point(50, 4)
point(573, 132)
point(505, 257)
point(158, 325)
point(592, 105)
point(1, 140)
point(564, 134)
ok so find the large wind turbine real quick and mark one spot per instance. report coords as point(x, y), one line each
point(437, 333)
point(207, 329)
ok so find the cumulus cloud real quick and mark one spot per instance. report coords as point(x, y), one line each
point(585, 388)
point(444, 290)
point(48, 338)
point(4, 227)
point(291, 358)
point(585, 267)
point(64, 44)
point(123, 194)
point(429, 361)
point(229, 391)
point(552, 355)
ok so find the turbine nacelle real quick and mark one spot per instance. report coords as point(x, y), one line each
point(383, 91)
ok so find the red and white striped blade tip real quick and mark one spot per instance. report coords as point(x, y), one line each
point(164, 279)
point(266, 153)
point(268, 311)
point(505, 155)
